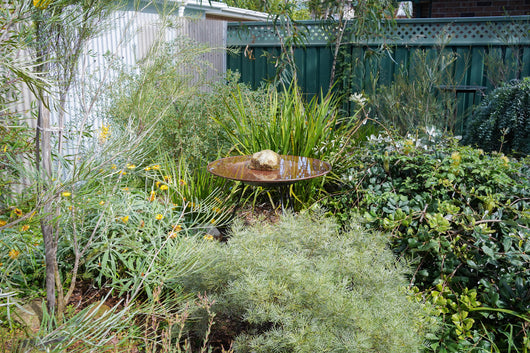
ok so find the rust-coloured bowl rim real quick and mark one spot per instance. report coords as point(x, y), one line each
point(265, 177)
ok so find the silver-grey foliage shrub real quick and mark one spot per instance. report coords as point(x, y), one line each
point(302, 285)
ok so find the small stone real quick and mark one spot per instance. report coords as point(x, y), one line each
point(213, 231)
point(265, 160)
point(30, 314)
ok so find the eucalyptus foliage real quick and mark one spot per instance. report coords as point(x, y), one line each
point(303, 286)
point(17, 71)
point(413, 100)
point(168, 90)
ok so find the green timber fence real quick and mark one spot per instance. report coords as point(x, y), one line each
point(504, 39)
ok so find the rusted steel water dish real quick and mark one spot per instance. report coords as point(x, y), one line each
point(291, 170)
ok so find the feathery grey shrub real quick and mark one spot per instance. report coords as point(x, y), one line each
point(305, 286)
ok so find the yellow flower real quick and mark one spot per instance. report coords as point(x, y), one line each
point(13, 254)
point(158, 184)
point(113, 166)
point(130, 166)
point(163, 187)
point(41, 4)
point(159, 216)
point(18, 212)
point(182, 182)
point(174, 232)
point(104, 133)
point(24, 228)
point(152, 196)
point(2, 223)
point(101, 203)
point(125, 189)
point(217, 210)
point(142, 224)
point(125, 219)
point(167, 178)
point(122, 172)
point(66, 194)
point(208, 237)
point(505, 160)
point(213, 221)
point(147, 169)
point(156, 167)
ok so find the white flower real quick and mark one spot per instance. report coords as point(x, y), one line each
point(359, 98)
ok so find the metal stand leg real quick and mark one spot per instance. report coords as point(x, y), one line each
point(285, 198)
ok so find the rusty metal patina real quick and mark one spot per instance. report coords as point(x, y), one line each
point(291, 170)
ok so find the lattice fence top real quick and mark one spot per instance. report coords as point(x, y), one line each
point(456, 31)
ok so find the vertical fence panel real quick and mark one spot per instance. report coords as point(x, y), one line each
point(477, 42)
point(525, 61)
point(311, 70)
point(301, 63)
point(260, 65)
point(324, 57)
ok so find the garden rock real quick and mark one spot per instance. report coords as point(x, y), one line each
point(213, 231)
point(265, 160)
point(30, 314)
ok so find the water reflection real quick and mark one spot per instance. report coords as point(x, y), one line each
point(292, 169)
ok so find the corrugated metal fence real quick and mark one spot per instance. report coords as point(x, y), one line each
point(471, 39)
point(127, 41)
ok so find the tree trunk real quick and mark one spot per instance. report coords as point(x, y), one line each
point(44, 165)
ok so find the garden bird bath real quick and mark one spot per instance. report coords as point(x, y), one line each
point(289, 170)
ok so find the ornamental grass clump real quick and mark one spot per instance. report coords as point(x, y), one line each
point(303, 286)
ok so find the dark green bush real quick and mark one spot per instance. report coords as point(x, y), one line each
point(502, 121)
point(463, 216)
point(303, 286)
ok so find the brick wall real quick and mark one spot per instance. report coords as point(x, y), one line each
point(474, 8)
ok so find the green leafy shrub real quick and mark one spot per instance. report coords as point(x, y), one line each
point(303, 286)
point(502, 121)
point(462, 216)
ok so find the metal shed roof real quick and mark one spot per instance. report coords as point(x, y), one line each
point(202, 9)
